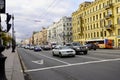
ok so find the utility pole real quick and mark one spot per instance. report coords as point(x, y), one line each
point(13, 35)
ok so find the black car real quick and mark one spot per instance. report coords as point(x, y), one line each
point(79, 48)
point(37, 48)
point(91, 46)
point(46, 47)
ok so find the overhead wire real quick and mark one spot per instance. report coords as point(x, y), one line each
point(43, 14)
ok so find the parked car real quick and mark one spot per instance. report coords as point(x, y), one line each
point(31, 48)
point(91, 46)
point(63, 51)
point(27, 47)
point(46, 47)
point(79, 48)
point(37, 48)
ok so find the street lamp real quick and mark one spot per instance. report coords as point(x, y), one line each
point(13, 35)
point(2, 6)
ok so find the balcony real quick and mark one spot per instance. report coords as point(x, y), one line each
point(109, 27)
point(108, 16)
point(108, 6)
point(79, 33)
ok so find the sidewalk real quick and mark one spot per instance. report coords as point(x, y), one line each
point(12, 66)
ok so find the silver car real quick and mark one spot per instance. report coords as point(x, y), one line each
point(63, 51)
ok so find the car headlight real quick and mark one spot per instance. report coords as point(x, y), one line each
point(86, 47)
point(78, 48)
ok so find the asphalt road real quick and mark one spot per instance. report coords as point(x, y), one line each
point(96, 65)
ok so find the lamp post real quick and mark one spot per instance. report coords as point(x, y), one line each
point(2, 48)
point(13, 35)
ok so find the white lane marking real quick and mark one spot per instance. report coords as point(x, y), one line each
point(108, 55)
point(54, 59)
point(90, 57)
point(76, 64)
point(38, 62)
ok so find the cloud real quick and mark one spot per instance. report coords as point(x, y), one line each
point(26, 12)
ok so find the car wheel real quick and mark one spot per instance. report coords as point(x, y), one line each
point(94, 48)
point(53, 53)
point(60, 54)
point(73, 55)
point(77, 53)
point(85, 52)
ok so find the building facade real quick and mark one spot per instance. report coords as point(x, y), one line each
point(40, 38)
point(60, 32)
point(96, 20)
point(44, 36)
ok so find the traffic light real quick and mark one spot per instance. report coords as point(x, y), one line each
point(8, 18)
point(8, 27)
point(7, 22)
point(2, 6)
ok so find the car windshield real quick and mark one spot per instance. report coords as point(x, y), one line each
point(37, 46)
point(76, 44)
point(64, 47)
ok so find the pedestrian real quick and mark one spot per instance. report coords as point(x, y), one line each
point(13, 45)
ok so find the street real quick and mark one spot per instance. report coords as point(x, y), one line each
point(102, 64)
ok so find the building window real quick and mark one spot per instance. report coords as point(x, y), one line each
point(118, 20)
point(118, 9)
point(96, 17)
point(91, 35)
point(96, 8)
point(91, 26)
point(117, 0)
point(104, 33)
point(118, 31)
point(99, 6)
point(97, 25)
point(93, 18)
point(105, 23)
point(94, 26)
point(100, 16)
point(103, 5)
point(88, 20)
point(97, 34)
point(104, 14)
point(94, 35)
point(101, 33)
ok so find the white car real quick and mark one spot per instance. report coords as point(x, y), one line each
point(31, 48)
point(63, 51)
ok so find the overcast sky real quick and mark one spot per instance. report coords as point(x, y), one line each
point(32, 15)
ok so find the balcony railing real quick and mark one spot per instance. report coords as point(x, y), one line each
point(109, 27)
point(108, 6)
point(108, 16)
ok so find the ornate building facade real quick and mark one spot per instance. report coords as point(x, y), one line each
point(97, 20)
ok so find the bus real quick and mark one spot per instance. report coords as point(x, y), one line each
point(102, 43)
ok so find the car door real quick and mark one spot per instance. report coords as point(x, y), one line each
point(56, 50)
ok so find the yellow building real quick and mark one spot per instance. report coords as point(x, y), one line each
point(44, 35)
point(40, 38)
point(96, 21)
